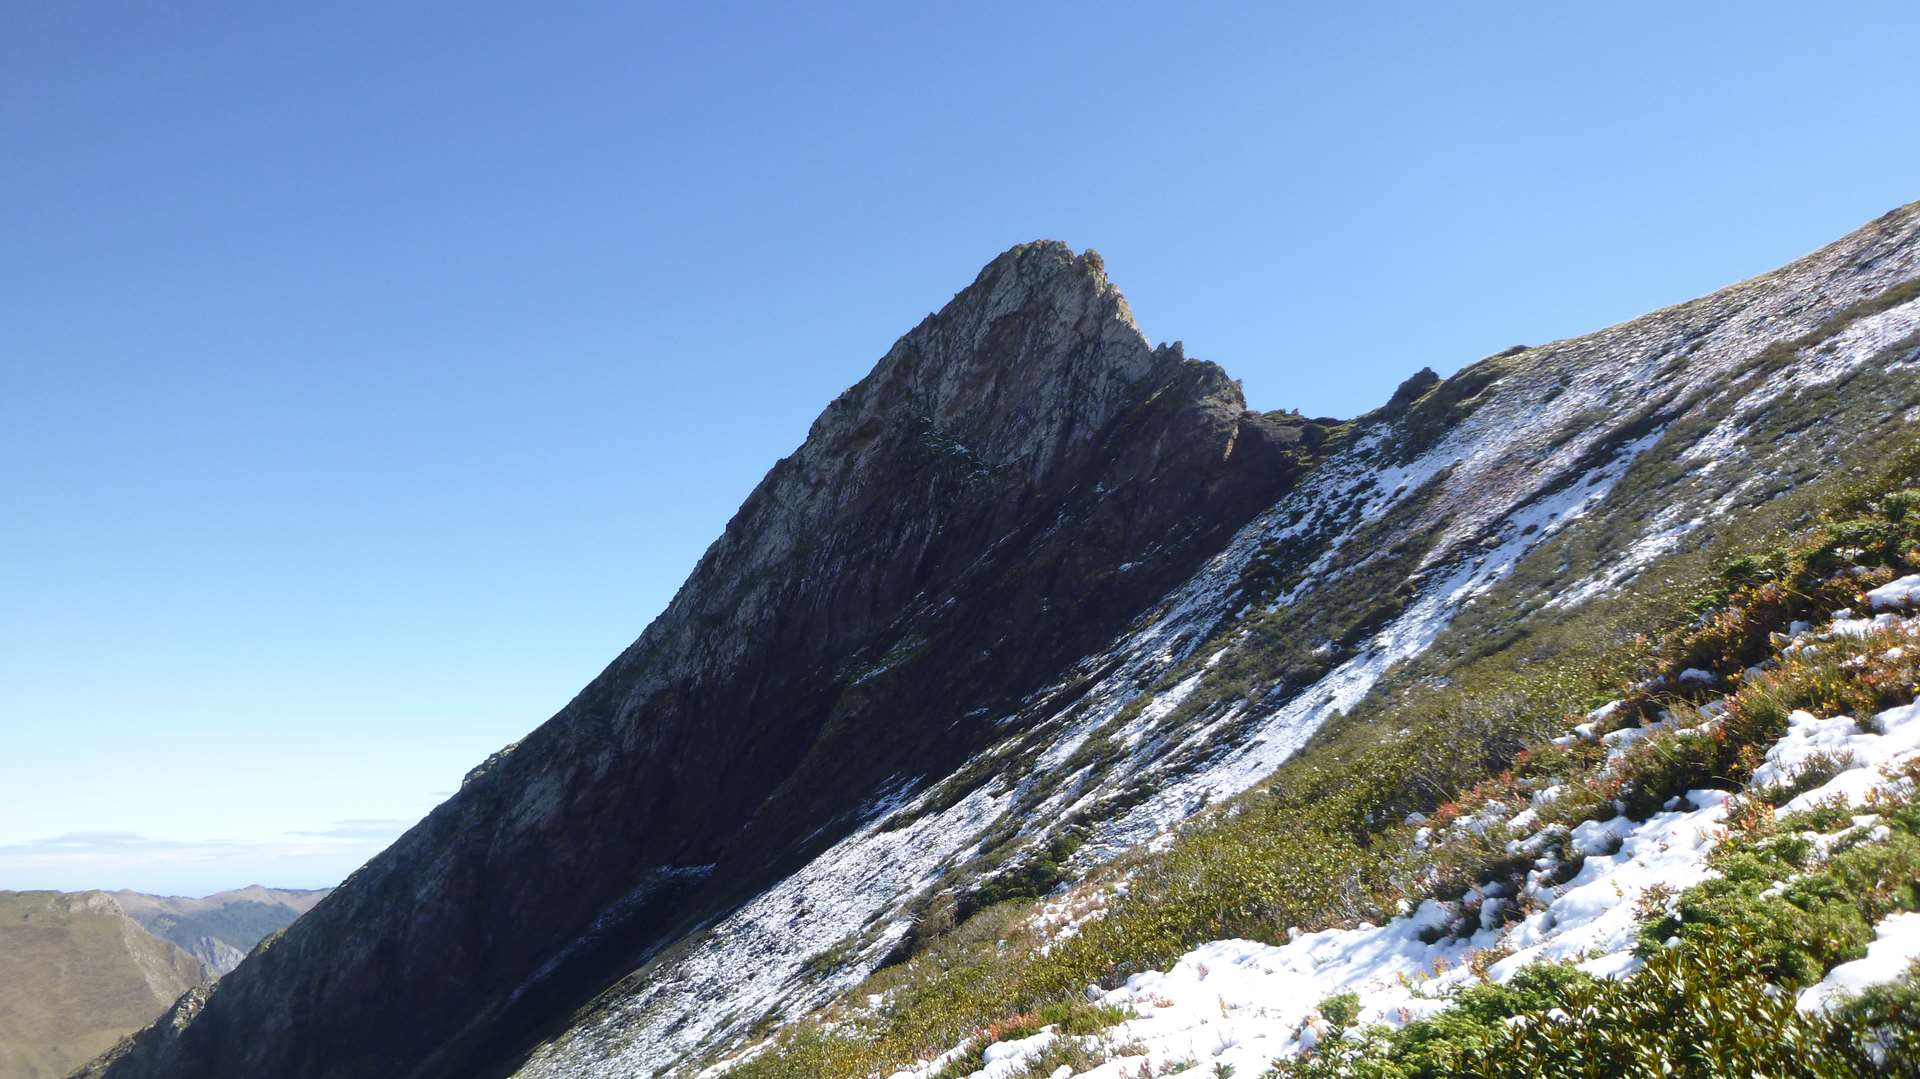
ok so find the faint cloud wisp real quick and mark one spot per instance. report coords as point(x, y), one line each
point(74, 861)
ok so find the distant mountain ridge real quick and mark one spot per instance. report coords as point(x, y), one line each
point(219, 929)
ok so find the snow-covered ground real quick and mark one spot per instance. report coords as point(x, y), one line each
point(747, 965)
point(1243, 1004)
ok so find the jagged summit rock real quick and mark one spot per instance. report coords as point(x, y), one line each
point(1416, 385)
point(1025, 365)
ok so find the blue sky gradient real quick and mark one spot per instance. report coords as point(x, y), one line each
point(369, 378)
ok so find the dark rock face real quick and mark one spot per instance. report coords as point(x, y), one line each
point(1416, 385)
point(950, 535)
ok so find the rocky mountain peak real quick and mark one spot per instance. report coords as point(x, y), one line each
point(1021, 367)
point(1003, 392)
point(1411, 390)
point(1015, 480)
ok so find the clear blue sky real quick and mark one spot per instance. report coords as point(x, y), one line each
point(369, 378)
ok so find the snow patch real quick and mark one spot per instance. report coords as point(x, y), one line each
point(1895, 947)
point(1898, 595)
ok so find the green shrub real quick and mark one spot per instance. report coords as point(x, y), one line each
point(1800, 918)
point(1441, 1045)
point(1891, 1015)
point(1880, 878)
point(1076, 1017)
point(1068, 1052)
point(1696, 1012)
point(1663, 766)
point(1793, 944)
point(1340, 1010)
point(1810, 774)
point(1037, 876)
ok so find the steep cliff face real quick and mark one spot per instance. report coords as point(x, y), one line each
point(1016, 480)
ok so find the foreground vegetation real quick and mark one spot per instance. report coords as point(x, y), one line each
point(1330, 840)
point(1699, 1010)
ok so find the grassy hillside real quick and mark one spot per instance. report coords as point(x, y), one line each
point(76, 974)
point(1367, 821)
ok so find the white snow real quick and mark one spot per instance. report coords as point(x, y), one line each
point(1809, 737)
point(1864, 340)
point(1657, 541)
point(1895, 947)
point(1280, 733)
point(1005, 1058)
point(751, 962)
point(1244, 1004)
point(1896, 595)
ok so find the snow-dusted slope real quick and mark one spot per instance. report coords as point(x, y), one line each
point(1241, 1005)
point(1593, 455)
